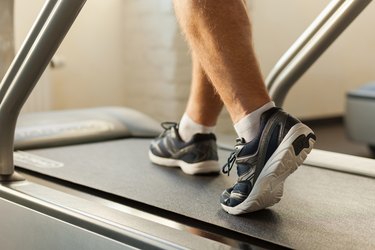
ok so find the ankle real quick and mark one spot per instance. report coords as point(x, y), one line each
point(188, 128)
point(247, 127)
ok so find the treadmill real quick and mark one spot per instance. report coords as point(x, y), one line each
point(81, 179)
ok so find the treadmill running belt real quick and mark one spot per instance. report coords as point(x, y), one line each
point(320, 208)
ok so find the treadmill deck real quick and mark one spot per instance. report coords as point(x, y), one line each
point(320, 208)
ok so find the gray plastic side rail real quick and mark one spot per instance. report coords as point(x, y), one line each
point(46, 39)
point(78, 126)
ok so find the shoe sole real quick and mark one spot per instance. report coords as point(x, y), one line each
point(204, 167)
point(269, 186)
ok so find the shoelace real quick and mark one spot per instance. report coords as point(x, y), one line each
point(167, 126)
point(230, 162)
point(232, 157)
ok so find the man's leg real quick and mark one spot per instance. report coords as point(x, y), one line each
point(219, 33)
point(203, 107)
point(203, 97)
point(273, 144)
point(191, 144)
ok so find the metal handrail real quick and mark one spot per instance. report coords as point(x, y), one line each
point(26, 46)
point(302, 40)
point(28, 66)
point(315, 47)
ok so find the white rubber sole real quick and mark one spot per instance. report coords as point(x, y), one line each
point(203, 167)
point(269, 187)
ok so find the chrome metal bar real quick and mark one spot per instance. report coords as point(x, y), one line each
point(315, 48)
point(113, 225)
point(36, 59)
point(25, 48)
point(302, 41)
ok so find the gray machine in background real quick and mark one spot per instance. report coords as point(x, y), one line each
point(359, 118)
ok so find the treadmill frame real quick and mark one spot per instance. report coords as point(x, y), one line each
point(57, 16)
point(36, 52)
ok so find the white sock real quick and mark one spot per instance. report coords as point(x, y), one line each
point(187, 128)
point(248, 126)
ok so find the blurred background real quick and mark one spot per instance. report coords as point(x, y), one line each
point(131, 53)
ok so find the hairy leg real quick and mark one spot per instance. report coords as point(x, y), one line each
point(204, 104)
point(219, 34)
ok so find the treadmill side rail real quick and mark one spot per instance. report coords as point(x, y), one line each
point(82, 223)
point(341, 162)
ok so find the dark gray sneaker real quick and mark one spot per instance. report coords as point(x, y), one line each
point(197, 156)
point(263, 164)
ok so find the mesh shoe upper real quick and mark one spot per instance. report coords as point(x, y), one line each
point(251, 157)
point(202, 147)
